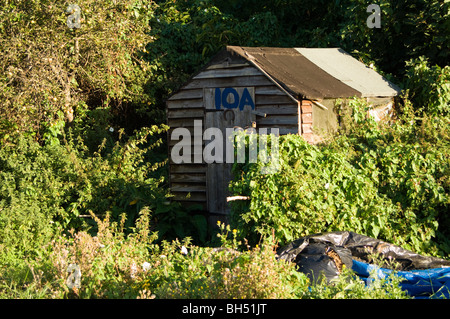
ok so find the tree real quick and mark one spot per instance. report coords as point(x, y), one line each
point(51, 72)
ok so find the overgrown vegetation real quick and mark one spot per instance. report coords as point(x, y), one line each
point(83, 155)
point(385, 181)
point(113, 264)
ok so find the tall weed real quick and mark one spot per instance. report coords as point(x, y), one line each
point(385, 181)
point(51, 188)
point(114, 265)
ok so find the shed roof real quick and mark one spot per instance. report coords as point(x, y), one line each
point(316, 73)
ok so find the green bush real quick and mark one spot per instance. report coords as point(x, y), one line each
point(52, 188)
point(51, 72)
point(428, 86)
point(388, 182)
point(65, 181)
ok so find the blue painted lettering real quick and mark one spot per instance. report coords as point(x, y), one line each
point(229, 98)
point(246, 99)
point(217, 98)
point(226, 92)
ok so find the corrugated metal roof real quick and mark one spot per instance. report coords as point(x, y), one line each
point(317, 73)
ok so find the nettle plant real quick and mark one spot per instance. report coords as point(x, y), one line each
point(314, 191)
point(429, 86)
point(383, 181)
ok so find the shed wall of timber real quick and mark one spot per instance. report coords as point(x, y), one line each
point(189, 181)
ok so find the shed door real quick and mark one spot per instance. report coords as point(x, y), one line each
point(225, 108)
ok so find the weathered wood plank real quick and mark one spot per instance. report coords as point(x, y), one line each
point(194, 151)
point(235, 198)
point(283, 130)
point(191, 113)
point(188, 178)
point(277, 109)
point(272, 99)
point(187, 168)
point(209, 96)
point(219, 174)
point(257, 80)
point(187, 188)
point(278, 120)
point(184, 142)
point(185, 94)
point(192, 161)
point(306, 107)
point(185, 104)
point(227, 73)
point(269, 90)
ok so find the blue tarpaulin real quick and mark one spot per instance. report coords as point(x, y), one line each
point(424, 283)
point(324, 253)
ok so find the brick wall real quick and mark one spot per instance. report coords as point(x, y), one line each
point(307, 120)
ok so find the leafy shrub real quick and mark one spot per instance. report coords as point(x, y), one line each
point(429, 86)
point(50, 72)
point(64, 181)
point(226, 272)
point(184, 36)
point(45, 189)
point(330, 195)
point(385, 182)
point(31, 194)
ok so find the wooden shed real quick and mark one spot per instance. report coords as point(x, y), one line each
point(292, 89)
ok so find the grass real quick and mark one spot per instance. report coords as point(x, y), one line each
point(118, 266)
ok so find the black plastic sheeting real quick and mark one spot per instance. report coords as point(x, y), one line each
point(327, 253)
